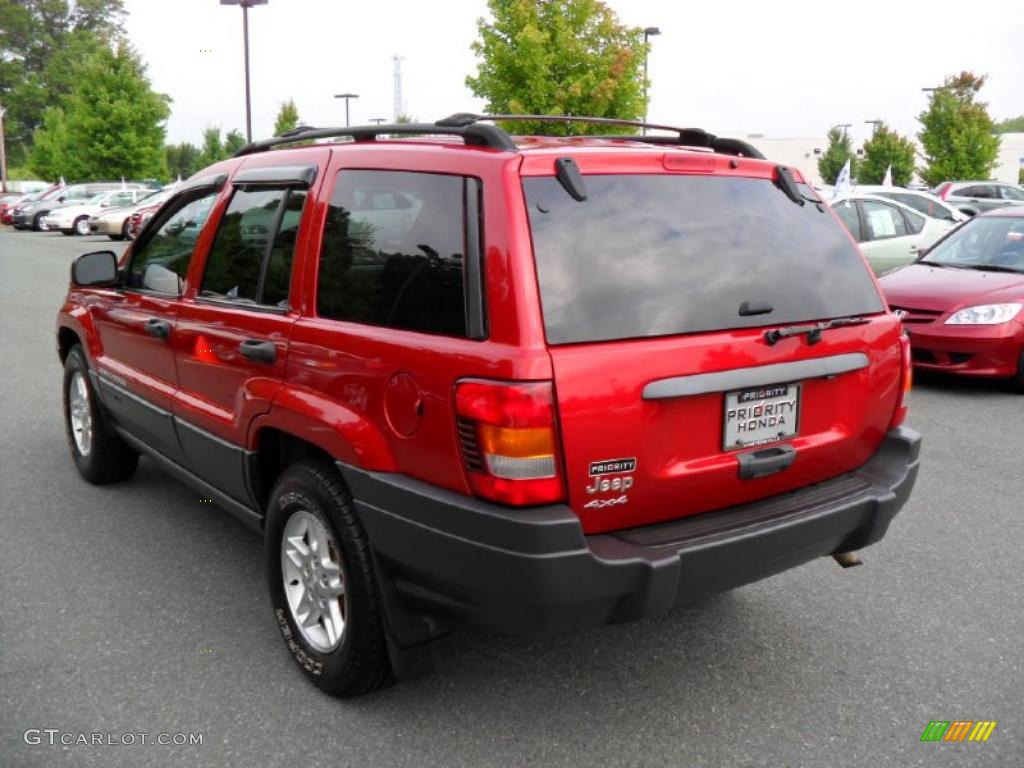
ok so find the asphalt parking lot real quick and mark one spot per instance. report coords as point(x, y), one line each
point(138, 608)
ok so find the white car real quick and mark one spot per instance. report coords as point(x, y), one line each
point(890, 234)
point(921, 201)
point(73, 219)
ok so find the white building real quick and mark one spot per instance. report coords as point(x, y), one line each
point(804, 154)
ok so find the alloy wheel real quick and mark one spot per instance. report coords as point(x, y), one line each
point(80, 413)
point(314, 584)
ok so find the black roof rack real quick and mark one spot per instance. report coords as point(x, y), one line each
point(476, 130)
point(478, 135)
point(688, 137)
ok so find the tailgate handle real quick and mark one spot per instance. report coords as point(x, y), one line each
point(766, 461)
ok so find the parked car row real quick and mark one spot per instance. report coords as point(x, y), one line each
point(81, 209)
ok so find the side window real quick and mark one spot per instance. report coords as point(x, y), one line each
point(914, 221)
point(250, 260)
point(121, 198)
point(1011, 193)
point(883, 221)
point(978, 191)
point(162, 262)
point(847, 213)
point(393, 251)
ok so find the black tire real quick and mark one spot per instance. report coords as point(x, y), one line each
point(37, 223)
point(80, 226)
point(359, 664)
point(110, 459)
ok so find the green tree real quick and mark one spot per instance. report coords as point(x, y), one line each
point(838, 151)
point(47, 158)
point(957, 133)
point(233, 142)
point(885, 148)
point(44, 43)
point(182, 159)
point(1011, 125)
point(558, 57)
point(212, 150)
point(113, 122)
point(287, 117)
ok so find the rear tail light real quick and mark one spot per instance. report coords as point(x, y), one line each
point(906, 379)
point(944, 192)
point(509, 442)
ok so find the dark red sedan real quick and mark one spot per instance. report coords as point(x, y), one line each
point(962, 301)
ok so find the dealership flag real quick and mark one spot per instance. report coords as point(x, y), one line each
point(843, 181)
point(123, 184)
point(62, 182)
point(887, 181)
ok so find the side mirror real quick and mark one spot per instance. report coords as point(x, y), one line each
point(97, 268)
point(62, 198)
point(921, 253)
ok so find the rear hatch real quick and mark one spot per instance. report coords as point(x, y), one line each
point(658, 293)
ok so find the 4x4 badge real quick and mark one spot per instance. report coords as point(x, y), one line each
point(598, 503)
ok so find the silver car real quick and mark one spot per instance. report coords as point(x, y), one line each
point(974, 197)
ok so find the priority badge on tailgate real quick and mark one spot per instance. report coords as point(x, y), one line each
point(598, 470)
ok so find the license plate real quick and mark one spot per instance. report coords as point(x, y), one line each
point(761, 415)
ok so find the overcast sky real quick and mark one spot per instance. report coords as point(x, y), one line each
point(786, 68)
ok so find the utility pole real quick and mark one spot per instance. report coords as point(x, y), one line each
point(649, 32)
point(3, 154)
point(398, 85)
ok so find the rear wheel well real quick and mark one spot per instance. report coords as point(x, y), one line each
point(66, 339)
point(275, 452)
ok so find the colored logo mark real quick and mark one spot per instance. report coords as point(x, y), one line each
point(958, 730)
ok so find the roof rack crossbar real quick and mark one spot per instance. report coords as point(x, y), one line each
point(689, 137)
point(473, 133)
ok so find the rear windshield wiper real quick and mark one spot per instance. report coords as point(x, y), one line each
point(992, 268)
point(813, 331)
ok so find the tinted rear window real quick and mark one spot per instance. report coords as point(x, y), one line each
point(659, 255)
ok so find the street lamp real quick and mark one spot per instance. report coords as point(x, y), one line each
point(246, 5)
point(874, 124)
point(649, 32)
point(347, 97)
point(378, 120)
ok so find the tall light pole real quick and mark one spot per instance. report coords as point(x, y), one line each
point(378, 120)
point(347, 97)
point(246, 5)
point(874, 125)
point(3, 154)
point(649, 32)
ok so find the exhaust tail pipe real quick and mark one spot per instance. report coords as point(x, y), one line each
point(847, 559)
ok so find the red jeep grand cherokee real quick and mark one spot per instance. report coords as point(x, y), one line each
point(535, 383)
